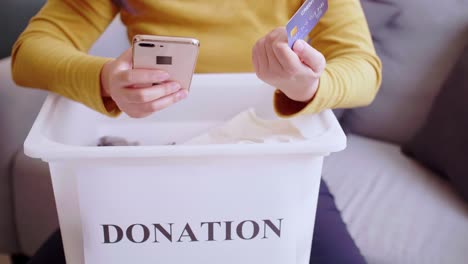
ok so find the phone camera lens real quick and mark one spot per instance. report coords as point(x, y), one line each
point(146, 45)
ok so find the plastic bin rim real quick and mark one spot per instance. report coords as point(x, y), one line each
point(39, 146)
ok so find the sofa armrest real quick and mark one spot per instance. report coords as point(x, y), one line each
point(18, 109)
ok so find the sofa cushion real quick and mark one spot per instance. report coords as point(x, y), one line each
point(18, 108)
point(442, 143)
point(396, 210)
point(17, 13)
point(379, 14)
point(35, 211)
point(418, 46)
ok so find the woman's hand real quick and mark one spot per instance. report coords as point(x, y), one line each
point(296, 72)
point(138, 92)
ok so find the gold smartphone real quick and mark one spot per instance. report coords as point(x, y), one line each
point(175, 55)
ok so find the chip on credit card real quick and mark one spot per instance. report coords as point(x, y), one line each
point(305, 19)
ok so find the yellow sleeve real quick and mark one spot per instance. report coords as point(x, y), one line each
point(353, 73)
point(51, 53)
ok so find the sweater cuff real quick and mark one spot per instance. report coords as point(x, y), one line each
point(286, 107)
point(92, 96)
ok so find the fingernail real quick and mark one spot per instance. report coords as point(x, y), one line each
point(299, 45)
point(181, 95)
point(175, 86)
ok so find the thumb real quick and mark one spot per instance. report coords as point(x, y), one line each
point(309, 56)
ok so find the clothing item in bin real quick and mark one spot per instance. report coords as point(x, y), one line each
point(245, 128)
point(248, 128)
point(109, 141)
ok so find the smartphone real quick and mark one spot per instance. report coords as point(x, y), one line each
point(175, 55)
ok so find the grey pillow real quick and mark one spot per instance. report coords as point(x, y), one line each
point(418, 45)
point(442, 143)
point(379, 13)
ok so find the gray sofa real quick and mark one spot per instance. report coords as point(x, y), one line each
point(396, 210)
point(17, 13)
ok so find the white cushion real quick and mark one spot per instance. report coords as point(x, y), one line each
point(397, 211)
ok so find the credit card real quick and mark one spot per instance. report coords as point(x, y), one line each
point(305, 19)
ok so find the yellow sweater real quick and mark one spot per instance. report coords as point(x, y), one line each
point(51, 53)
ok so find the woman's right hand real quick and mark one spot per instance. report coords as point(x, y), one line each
point(138, 92)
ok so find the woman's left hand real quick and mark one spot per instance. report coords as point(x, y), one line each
point(296, 72)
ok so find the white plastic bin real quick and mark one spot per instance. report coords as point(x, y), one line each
point(252, 203)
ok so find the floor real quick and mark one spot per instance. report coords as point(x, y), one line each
point(4, 260)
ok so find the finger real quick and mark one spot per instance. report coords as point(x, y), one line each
point(126, 57)
point(134, 113)
point(282, 34)
point(262, 60)
point(310, 56)
point(144, 95)
point(141, 76)
point(286, 57)
point(262, 56)
point(289, 60)
point(271, 40)
point(274, 64)
point(264, 53)
point(161, 103)
point(255, 58)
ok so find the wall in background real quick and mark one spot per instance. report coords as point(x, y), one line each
point(14, 16)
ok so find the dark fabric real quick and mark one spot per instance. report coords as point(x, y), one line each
point(51, 251)
point(19, 259)
point(332, 244)
point(442, 143)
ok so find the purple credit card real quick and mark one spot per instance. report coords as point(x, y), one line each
point(305, 19)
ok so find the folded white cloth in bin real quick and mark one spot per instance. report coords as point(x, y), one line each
point(248, 128)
